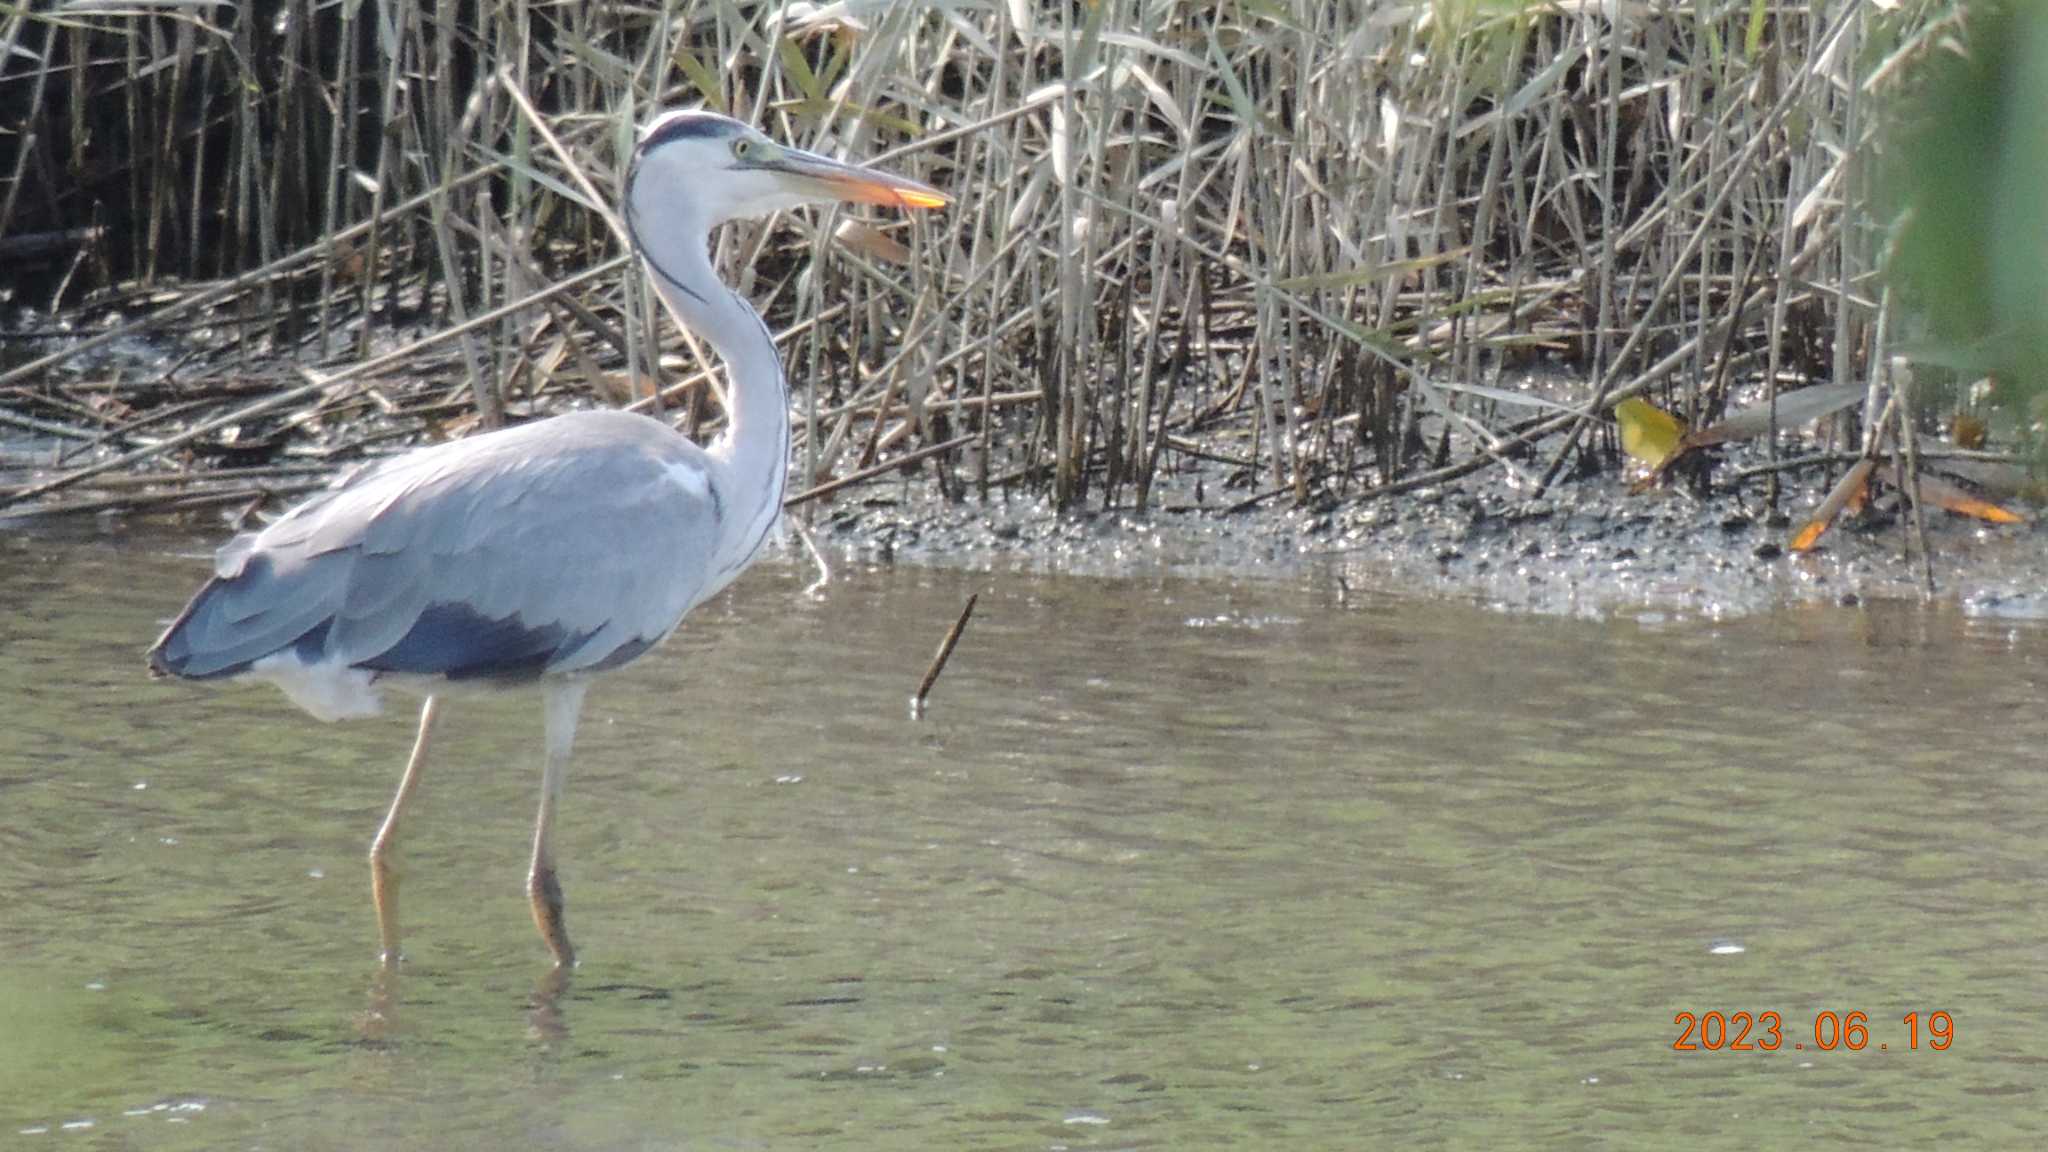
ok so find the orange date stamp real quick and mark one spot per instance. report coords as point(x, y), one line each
point(1831, 1032)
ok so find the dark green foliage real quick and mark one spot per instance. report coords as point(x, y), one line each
point(1970, 177)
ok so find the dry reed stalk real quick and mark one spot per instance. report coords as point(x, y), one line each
point(1301, 238)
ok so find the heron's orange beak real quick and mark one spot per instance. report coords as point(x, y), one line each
point(830, 179)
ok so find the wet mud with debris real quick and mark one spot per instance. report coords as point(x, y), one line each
point(1589, 547)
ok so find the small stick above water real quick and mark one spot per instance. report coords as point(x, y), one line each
point(931, 674)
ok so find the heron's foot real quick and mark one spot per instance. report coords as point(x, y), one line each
point(382, 1009)
point(546, 894)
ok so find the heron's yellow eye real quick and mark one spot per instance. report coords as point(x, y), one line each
point(741, 147)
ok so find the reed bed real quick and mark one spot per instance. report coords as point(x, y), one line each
point(1326, 250)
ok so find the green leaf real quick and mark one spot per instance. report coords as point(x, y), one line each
point(703, 79)
point(815, 110)
point(798, 69)
point(1753, 37)
point(1243, 108)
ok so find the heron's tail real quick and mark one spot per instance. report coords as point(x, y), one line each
point(172, 653)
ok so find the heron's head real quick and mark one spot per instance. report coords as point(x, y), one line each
point(696, 169)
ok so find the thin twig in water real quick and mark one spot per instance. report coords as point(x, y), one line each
point(931, 674)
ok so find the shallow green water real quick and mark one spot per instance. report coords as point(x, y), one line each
point(1172, 864)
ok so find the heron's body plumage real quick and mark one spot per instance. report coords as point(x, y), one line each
point(569, 545)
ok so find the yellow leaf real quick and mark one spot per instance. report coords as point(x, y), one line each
point(1648, 433)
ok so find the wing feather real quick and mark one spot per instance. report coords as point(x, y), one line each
point(564, 545)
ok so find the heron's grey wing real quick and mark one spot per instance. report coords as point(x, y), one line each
point(568, 545)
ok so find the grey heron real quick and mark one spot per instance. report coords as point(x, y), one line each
point(544, 553)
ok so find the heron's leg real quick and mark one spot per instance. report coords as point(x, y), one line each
point(383, 882)
point(564, 706)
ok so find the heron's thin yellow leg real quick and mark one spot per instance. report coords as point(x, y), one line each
point(383, 881)
point(564, 705)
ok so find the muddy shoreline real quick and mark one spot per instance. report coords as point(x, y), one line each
point(1590, 547)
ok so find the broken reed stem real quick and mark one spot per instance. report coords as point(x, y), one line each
point(1909, 441)
point(154, 321)
point(1825, 459)
point(308, 472)
point(315, 383)
point(162, 502)
point(945, 652)
point(881, 469)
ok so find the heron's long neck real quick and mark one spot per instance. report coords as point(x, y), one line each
point(754, 448)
